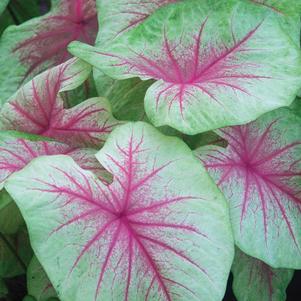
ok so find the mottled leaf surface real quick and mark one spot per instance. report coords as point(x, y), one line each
point(38, 284)
point(260, 174)
point(38, 108)
point(160, 231)
point(119, 16)
point(41, 43)
point(254, 280)
point(288, 14)
point(216, 64)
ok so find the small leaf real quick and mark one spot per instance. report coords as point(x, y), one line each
point(254, 280)
point(38, 284)
point(38, 108)
point(10, 217)
point(215, 65)
point(260, 174)
point(160, 231)
point(41, 43)
point(17, 152)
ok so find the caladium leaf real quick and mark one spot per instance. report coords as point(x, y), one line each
point(38, 284)
point(15, 254)
point(41, 43)
point(38, 108)
point(160, 231)
point(10, 217)
point(16, 152)
point(215, 64)
point(260, 174)
point(254, 280)
point(120, 16)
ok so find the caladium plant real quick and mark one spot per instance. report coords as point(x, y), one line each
point(260, 173)
point(212, 68)
point(154, 233)
point(136, 169)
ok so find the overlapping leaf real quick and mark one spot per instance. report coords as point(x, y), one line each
point(215, 64)
point(16, 152)
point(160, 231)
point(38, 108)
point(41, 43)
point(254, 280)
point(260, 174)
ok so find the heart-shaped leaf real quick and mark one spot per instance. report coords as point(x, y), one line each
point(254, 280)
point(160, 231)
point(260, 174)
point(215, 64)
point(38, 108)
point(16, 152)
point(41, 43)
